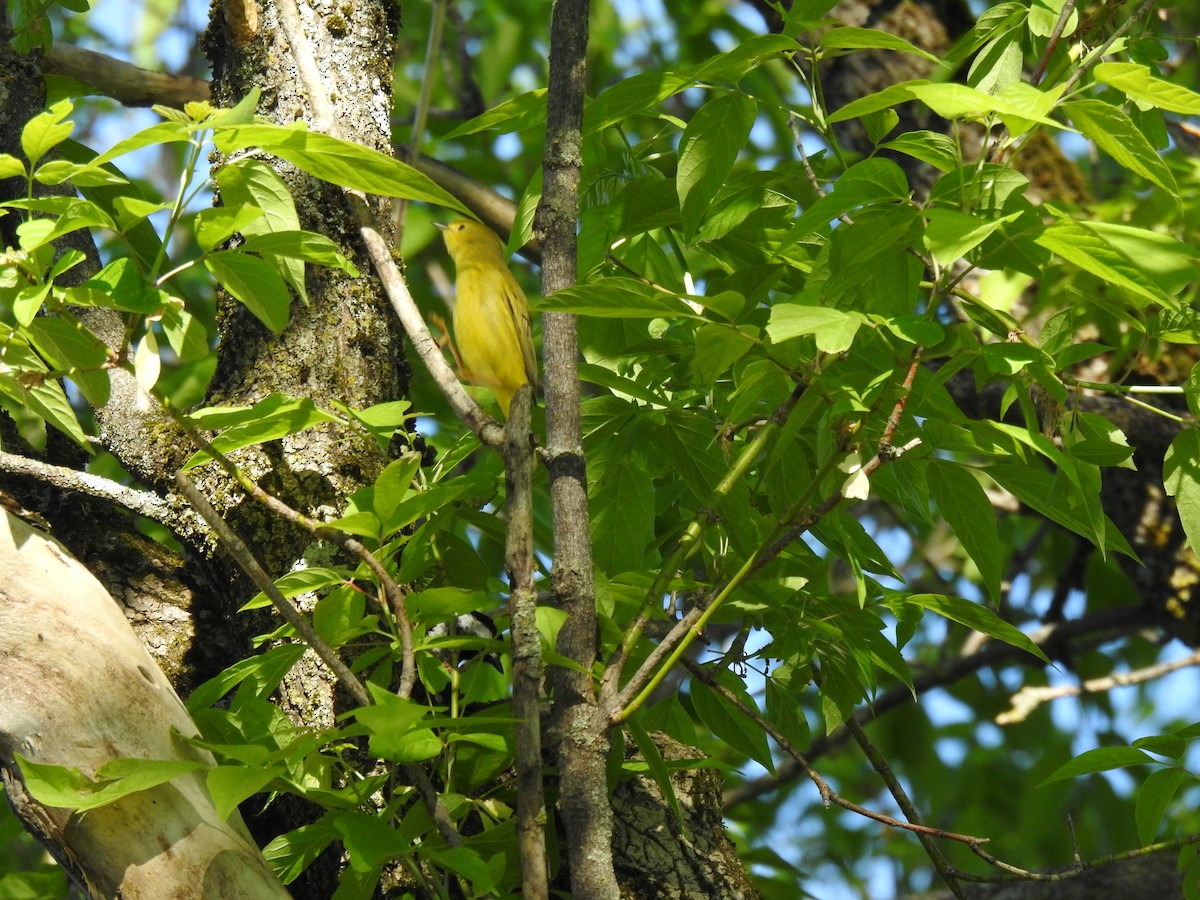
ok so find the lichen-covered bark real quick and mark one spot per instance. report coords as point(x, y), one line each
point(661, 856)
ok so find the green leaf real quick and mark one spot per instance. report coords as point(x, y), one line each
point(833, 329)
point(160, 133)
point(300, 245)
point(470, 866)
point(786, 712)
point(977, 618)
point(1080, 244)
point(1172, 746)
point(392, 485)
point(71, 789)
point(1114, 133)
point(417, 505)
point(615, 298)
point(621, 386)
point(1153, 798)
point(290, 854)
point(46, 131)
point(1168, 262)
point(255, 284)
point(997, 64)
point(747, 56)
point(707, 151)
point(964, 505)
point(39, 396)
point(951, 235)
point(217, 224)
point(119, 285)
point(868, 182)
point(1061, 501)
point(622, 508)
point(369, 840)
point(631, 96)
point(1018, 105)
point(1044, 16)
point(67, 345)
point(382, 420)
point(271, 418)
point(1181, 478)
point(642, 91)
point(518, 113)
point(1192, 390)
point(301, 581)
point(253, 183)
point(729, 723)
point(262, 673)
point(341, 616)
point(230, 785)
point(11, 167)
point(1136, 82)
point(1102, 759)
point(718, 347)
point(932, 147)
point(885, 99)
point(851, 39)
point(657, 766)
point(338, 162)
point(394, 729)
point(185, 333)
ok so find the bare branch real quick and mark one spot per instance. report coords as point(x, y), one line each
point(241, 554)
point(144, 503)
point(393, 594)
point(1030, 697)
point(123, 81)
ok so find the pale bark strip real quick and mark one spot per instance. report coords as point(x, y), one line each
point(78, 689)
point(580, 730)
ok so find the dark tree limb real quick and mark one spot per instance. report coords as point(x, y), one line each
point(580, 729)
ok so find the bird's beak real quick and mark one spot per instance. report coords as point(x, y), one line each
point(439, 226)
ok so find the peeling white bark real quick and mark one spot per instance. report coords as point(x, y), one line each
point(78, 689)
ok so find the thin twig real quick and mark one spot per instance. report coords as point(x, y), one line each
point(393, 594)
point(689, 542)
point(1017, 873)
point(1052, 42)
point(829, 796)
point(489, 431)
point(880, 764)
point(1055, 639)
point(433, 45)
point(893, 422)
point(1030, 697)
point(241, 554)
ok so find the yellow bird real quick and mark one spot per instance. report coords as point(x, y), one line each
point(491, 314)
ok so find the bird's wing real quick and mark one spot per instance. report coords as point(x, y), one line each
point(518, 309)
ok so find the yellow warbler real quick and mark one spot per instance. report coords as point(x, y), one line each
point(491, 314)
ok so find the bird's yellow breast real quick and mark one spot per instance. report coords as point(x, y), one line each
point(487, 315)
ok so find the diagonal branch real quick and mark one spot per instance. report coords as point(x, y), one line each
point(241, 554)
